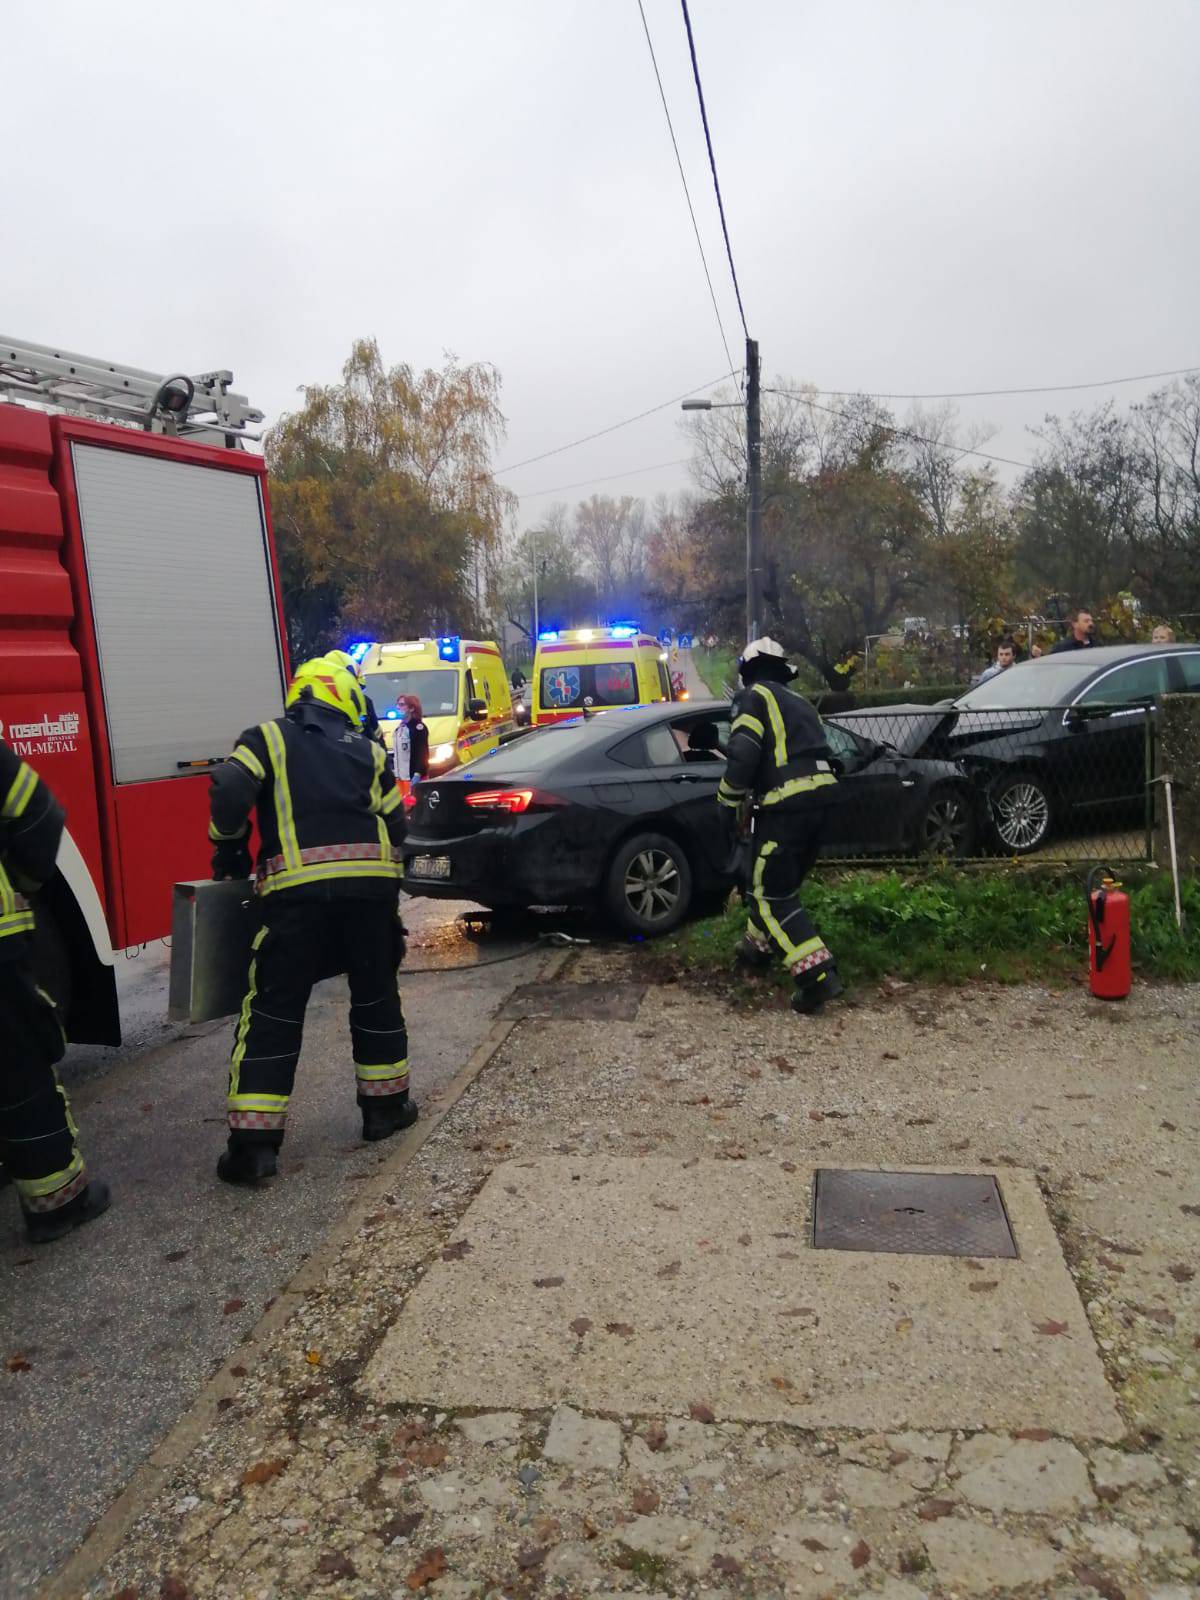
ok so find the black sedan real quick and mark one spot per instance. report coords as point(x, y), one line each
point(1051, 744)
point(619, 811)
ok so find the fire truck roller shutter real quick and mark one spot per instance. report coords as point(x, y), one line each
point(183, 606)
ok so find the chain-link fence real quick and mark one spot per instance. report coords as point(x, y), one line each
point(1056, 783)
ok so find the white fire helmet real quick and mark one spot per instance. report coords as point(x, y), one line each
point(764, 647)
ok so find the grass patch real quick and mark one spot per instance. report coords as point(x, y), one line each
point(1009, 925)
point(717, 668)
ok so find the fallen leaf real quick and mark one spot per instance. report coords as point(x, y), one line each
point(532, 1556)
point(401, 1526)
point(1050, 1326)
point(175, 1255)
point(238, 1372)
point(173, 1588)
point(581, 1325)
point(743, 1238)
point(816, 1116)
point(408, 1431)
point(731, 1152)
point(1169, 1126)
point(426, 1453)
point(224, 1404)
point(548, 1283)
point(625, 1329)
point(891, 1055)
point(982, 1285)
point(1182, 1274)
point(1040, 1435)
point(591, 1529)
point(645, 1500)
point(695, 1161)
point(860, 1555)
point(375, 1219)
point(961, 1144)
point(655, 1436)
point(129, 1592)
point(904, 1325)
point(782, 1064)
point(671, 1270)
point(428, 1570)
point(1112, 1266)
point(814, 1545)
point(784, 1385)
point(231, 1306)
point(920, 1122)
point(456, 1251)
point(899, 1457)
point(313, 1357)
point(663, 1205)
point(263, 1471)
point(729, 1565)
point(1190, 1211)
point(699, 1412)
point(786, 1255)
point(17, 1363)
point(787, 1166)
point(931, 1510)
point(335, 1565)
point(798, 1311)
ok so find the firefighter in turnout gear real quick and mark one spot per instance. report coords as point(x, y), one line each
point(330, 823)
point(779, 781)
point(37, 1135)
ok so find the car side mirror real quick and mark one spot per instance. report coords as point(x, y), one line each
point(477, 708)
point(1073, 718)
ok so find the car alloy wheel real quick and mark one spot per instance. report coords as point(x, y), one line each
point(1022, 812)
point(948, 827)
point(652, 886)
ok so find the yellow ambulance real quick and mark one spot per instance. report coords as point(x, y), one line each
point(462, 687)
point(593, 669)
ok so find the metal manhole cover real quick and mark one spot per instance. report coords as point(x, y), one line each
point(570, 1002)
point(911, 1213)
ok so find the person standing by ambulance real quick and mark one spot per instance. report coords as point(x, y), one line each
point(779, 779)
point(330, 822)
point(37, 1134)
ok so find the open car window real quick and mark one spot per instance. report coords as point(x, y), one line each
point(701, 739)
point(841, 741)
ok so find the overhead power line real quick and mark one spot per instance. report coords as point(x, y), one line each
point(1042, 388)
point(600, 432)
point(904, 433)
point(562, 488)
point(712, 161)
point(683, 179)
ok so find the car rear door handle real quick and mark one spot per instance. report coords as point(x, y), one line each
point(689, 777)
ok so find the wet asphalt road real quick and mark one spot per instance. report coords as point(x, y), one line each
point(123, 1322)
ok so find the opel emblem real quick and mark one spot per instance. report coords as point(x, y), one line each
point(434, 800)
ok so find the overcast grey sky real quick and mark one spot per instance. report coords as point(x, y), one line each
point(922, 195)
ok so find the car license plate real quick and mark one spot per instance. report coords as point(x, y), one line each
point(429, 867)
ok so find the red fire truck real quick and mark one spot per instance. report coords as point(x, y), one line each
point(140, 632)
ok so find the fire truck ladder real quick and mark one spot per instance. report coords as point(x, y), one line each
point(176, 404)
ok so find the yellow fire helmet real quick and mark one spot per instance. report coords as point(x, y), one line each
point(329, 684)
point(343, 658)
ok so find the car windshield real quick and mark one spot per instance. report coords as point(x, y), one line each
point(436, 689)
point(541, 747)
point(1034, 683)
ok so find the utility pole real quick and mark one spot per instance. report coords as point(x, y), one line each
point(754, 554)
point(535, 593)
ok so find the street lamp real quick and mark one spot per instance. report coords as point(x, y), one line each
point(754, 562)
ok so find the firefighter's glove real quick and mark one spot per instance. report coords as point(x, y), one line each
point(231, 859)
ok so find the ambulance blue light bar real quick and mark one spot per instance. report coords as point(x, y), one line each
point(448, 649)
point(624, 630)
point(358, 652)
point(549, 636)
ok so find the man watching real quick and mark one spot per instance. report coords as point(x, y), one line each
point(1006, 654)
point(1080, 636)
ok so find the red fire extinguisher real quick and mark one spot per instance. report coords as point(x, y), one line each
point(1108, 938)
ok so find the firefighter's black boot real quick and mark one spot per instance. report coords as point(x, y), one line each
point(43, 1227)
point(247, 1164)
point(387, 1114)
point(812, 995)
point(752, 956)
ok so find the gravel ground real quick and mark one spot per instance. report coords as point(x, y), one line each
point(305, 1485)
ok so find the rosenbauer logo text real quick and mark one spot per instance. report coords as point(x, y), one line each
point(50, 736)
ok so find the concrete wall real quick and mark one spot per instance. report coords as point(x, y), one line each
point(1178, 756)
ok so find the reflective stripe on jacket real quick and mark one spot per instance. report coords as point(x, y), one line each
point(329, 812)
point(31, 825)
point(777, 751)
